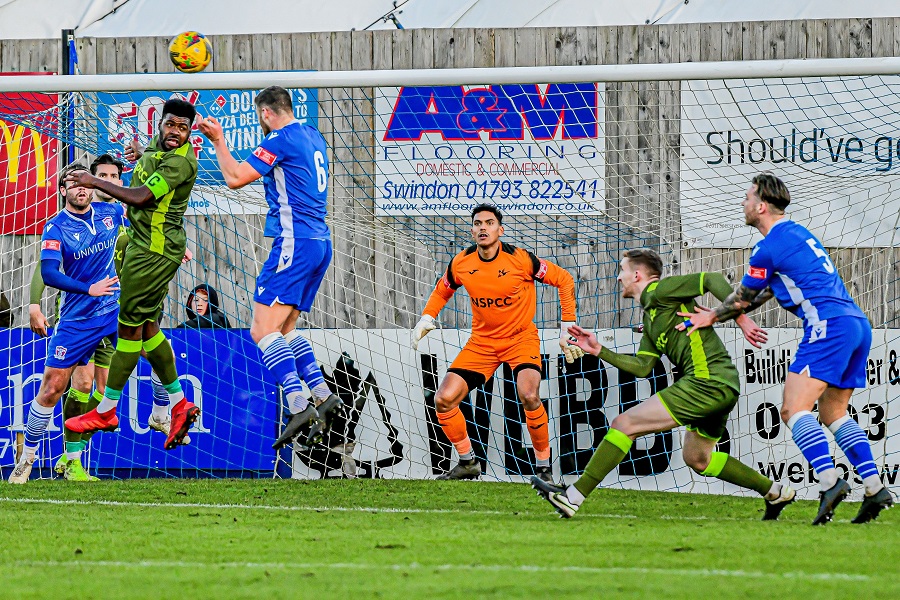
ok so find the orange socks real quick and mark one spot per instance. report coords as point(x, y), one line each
point(454, 425)
point(539, 432)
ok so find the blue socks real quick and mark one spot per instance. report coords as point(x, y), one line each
point(38, 418)
point(810, 438)
point(306, 364)
point(852, 440)
point(279, 359)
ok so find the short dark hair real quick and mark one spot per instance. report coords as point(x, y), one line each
point(276, 98)
point(106, 159)
point(179, 108)
point(69, 168)
point(772, 190)
point(485, 207)
point(647, 258)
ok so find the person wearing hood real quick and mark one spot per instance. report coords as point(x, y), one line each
point(202, 308)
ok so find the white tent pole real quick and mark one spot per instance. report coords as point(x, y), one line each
point(434, 77)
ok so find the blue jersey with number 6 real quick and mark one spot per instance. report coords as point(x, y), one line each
point(792, 261)
point(294, 165)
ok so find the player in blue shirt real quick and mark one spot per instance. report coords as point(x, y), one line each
point(76, 257)
point(292, 161)
point(790, 263)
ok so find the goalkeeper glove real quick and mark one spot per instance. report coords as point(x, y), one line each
point(569, 351)
point(425, 324)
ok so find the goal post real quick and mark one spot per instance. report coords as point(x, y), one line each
point(584, 161)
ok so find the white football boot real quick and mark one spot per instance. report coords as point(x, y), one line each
point(162, 426)
point(22, 471)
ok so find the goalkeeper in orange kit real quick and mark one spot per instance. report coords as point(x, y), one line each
point(500, 280)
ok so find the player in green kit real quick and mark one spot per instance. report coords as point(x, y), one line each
point(157, 199)
point(700, 400)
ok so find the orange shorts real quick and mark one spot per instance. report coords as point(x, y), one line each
point(479, 359)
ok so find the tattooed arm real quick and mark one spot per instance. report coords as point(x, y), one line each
point(742, 301)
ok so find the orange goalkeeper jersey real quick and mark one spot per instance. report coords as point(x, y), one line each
point(501, 290)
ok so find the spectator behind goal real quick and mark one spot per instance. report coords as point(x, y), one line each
point(202, 309)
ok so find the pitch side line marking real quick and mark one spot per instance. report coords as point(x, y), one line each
point(154, 564)
point(365, 509)
point(388, 510)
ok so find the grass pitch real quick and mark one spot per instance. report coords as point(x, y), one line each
point(423, 539)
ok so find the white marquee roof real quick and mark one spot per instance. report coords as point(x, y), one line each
point(27, 19)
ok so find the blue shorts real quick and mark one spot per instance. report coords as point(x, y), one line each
point(293, 272)
point(835, 352)
point(73, 342)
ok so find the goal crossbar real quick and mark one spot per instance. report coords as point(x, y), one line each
point(438, 77)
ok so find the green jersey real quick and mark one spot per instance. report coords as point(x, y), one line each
point(170, 175)
point(702, 354)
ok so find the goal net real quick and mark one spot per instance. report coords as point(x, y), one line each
point(583, 166)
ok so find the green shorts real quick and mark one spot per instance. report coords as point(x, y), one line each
point(104, 353)
point(144, 282)
point(701, 405)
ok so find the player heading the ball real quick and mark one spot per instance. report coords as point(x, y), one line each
point(500, 280)
point(791, 264)
point(292, 161)
point(157, 199)
point(701, 399)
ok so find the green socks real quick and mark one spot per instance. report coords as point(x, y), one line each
point(128, 353)
point(730, 469)
point(609, 453)
point(162, 359)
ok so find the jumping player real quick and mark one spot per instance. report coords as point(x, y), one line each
point(79, 397)
point(292, 160)
point(830, 362)
point(158, 198)
point(77, 258)
point(700, 400)
point(500, 280)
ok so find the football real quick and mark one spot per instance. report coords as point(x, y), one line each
point(190, 52)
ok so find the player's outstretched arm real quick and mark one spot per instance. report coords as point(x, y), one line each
point(734, 305)
point(640, 365)
point(753, 333)
point(584, 340)
point(137, 196)
point(236, 174)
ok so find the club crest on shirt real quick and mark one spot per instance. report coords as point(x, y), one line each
point(265, 156)
point(60, 352)
point(108, 221)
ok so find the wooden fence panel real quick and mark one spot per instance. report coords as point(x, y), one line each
point(384, 268)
